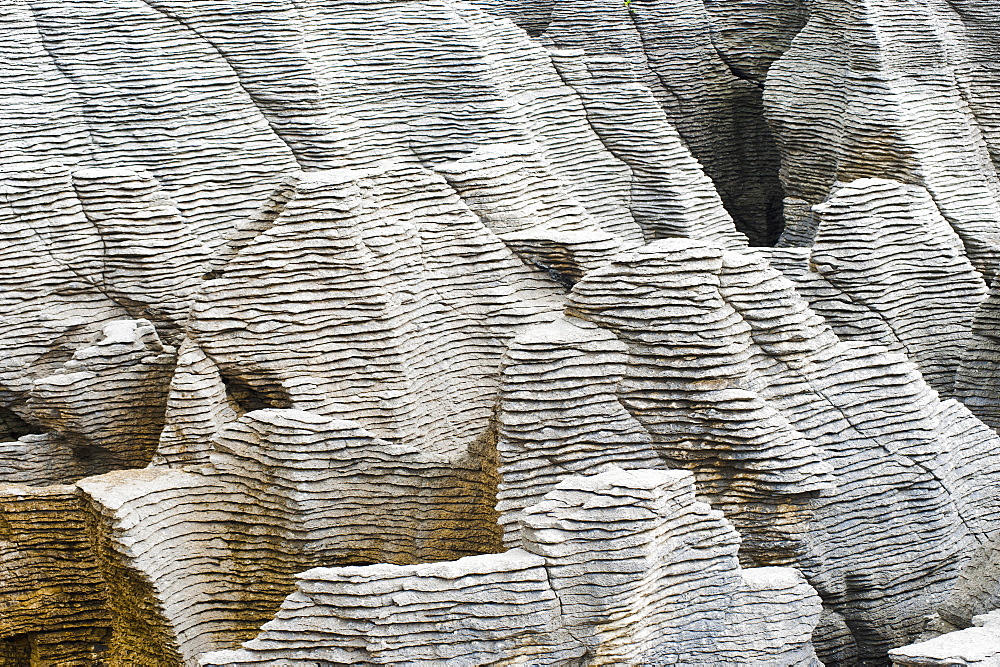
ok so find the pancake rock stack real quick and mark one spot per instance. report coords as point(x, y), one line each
point(904, 91)
point(668, 56)
point(774, 416)
point(979, 372)
point(975, 646)
point(884, 266)
point(448, 332)
point(637, 535)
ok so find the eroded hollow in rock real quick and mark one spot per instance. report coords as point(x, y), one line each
point(245, 397)
point(12, 426)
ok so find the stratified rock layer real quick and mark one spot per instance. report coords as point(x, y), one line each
point(376, 297)
point(84, 379)
point(309, 262)
point(668, 47)
point(903, 91)
point(979, 374)
point(709, 361)
point(885, 267)
point(197, 560)
point(638, 536)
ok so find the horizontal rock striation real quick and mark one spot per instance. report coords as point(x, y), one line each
point(392, 333)
point(117, 84)
point(194, 561)
point(637, 535)
point(898, 91)
point(383, 299)
point(54, 599)
point(99, 260)
point(885, 267)
point(670, 49)
point(751, 34)
point(979, 371)
point(670, 194)
point(785, 427)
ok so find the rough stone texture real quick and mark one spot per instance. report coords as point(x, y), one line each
point(386, 270)
point(115, 80)
point(53, 596)
point(901, 90)
point(709, 361)
point(669, 48)
point(973, 647)
point(81, 378)
point(196, 561)
point(376, 290)
point(670, 194)
point(979, 373)
point(638, 536)
point(884, 266)
point(751, 34)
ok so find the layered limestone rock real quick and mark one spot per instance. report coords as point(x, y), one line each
point(309, 263)
point(669, 47)
point(976, 596)
point(973, 647)
point(979, 372)
point(903, 91)
point(751, 34)
point(369, 270)
point(304, 86)
point(53, 595)
point(373, 296)
point(196, 561)
point(234, 114)
point(105, 409)
point(710, 361)
point(637, 535)
point(124, 85)
point(884, 266)
point(84, 378)
point(670, 194)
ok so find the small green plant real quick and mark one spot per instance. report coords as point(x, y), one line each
point(627, 4)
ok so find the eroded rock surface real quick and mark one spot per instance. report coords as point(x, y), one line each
point(669, 49)
point(896, 90)
point(973, 647)
point(885, 267)
point(639, 536)
point(710, 361)
point(424, 331)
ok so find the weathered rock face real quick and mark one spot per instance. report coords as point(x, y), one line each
point(283, 491)
point(978, 374)
point(669, 48)
point(83, 379)
point(976, 647)
point(904, 91)
point(639, 536)
point(709, 361)
point(884, 266)
point(116, 85)
point(54, 598)
point(388, 271)
point(96, 245)
point(390, 332)
point(751, 34)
